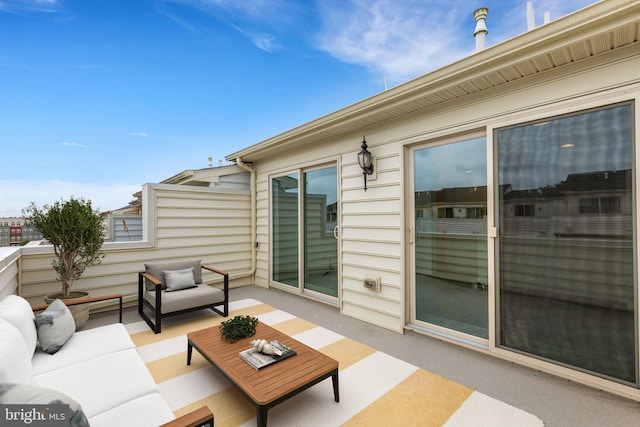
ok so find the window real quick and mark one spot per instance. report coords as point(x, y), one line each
point(445, 212)
point(477, 213)
point(524, 210)
point(602, 205)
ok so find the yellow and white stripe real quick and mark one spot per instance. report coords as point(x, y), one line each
point(375, 388)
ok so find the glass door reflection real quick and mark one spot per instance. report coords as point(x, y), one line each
point(450, 243)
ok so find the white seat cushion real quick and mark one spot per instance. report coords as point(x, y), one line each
point(102, 383)
point(15, 360)
point(17, 311)
point(82, 346)
point(150, 410)
point(186, 298)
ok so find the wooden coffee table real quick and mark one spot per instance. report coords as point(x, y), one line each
point(273, 384)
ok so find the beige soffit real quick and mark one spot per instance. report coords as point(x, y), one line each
point(600, 28)
point(202, 177)
point(180, 178)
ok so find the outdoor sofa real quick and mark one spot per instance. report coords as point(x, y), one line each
point(97, 372)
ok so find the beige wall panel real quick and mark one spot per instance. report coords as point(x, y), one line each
point(223, 204)
point(371, 206)
point(187, 232)
point(199, 214)
point(354, 286)
point(366, 314)
point(8, 279)
point(377, 301)
point(230, 243)
point(379, 232)
point(372, 246)
point(327, 151)
point(368, 261)
point(357, 273)
point(383, 179)
point(371, 220)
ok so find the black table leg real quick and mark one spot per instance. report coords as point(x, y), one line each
point(189, 351)
point(262, 416)
point(336, 388)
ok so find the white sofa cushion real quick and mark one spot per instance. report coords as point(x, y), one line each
point(82, 346)
point(187, 298)
point(15, 360)
point(17, 311)
point(102, 383)
point(150, 410)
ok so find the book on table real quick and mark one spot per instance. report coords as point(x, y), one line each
point(259, 360)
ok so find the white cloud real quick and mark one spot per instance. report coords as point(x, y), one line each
point(264, 41)
point(18, 194)
point(400, 40)
point(260, 21)
point(72, 144)
point(405, 39)
point(30, 5)
point(140, 134)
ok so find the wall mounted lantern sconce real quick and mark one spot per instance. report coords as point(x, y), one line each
point(365, 160)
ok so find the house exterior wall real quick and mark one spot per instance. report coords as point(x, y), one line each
point(187, 223)
point(373, 231)
point(9, 270)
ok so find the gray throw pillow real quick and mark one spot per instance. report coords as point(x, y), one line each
point(179, 279)
point(55, 326)
point(27, 396)
point(156, 269)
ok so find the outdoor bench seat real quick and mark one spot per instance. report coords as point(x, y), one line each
point(97, 372)
point(176, 287)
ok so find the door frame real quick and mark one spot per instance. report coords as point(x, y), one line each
point(412, 234)
point(300, 289)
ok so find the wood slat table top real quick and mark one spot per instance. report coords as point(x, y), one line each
point(272, 382)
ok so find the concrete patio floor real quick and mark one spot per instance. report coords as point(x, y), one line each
point(557, 402)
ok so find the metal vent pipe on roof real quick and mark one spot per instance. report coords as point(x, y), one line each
point(481, 31)
point(531, 16)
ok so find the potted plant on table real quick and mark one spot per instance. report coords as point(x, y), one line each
point(77, 233)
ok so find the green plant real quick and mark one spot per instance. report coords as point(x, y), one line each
point(237, 328)
point(76, 232)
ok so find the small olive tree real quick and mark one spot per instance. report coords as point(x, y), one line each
point(76, 232)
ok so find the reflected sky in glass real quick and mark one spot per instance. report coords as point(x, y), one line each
point(545, 153)
point(462, 164)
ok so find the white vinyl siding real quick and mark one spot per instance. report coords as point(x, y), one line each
point(192, 223)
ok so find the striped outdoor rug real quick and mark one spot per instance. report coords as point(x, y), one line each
point(375, 388)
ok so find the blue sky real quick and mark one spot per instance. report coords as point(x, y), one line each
point(98, 97)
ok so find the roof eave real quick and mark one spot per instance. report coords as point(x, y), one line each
point(569, 30)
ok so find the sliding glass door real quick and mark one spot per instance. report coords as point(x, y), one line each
point(449, 237)
point(284, 226)
point(305, 215)
point(565, 215)
point(320, 222)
